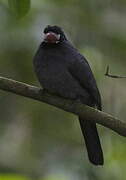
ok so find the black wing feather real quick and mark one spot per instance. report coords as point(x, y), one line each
point(81, 70)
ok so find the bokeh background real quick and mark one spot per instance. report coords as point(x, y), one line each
point(41, 142)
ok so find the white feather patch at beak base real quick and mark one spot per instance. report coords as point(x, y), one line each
point(51, 37)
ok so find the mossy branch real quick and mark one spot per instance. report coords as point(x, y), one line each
point(72, 106)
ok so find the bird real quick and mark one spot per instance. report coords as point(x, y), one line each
point(61, 69)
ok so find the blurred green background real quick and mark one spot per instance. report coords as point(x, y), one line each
point(41, 142)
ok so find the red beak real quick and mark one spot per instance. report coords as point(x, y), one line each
point(51, 37)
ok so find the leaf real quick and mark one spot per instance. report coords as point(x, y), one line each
point(19, 7)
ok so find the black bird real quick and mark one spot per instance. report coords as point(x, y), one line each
point(62, 70)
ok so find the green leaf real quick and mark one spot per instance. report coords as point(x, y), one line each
point(19, 7)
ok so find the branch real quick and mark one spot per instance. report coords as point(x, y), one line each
point(112, 76)
point(65, 104)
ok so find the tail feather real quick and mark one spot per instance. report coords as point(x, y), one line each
point(92, 141)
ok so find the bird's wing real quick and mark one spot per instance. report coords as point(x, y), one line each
point(80, 69)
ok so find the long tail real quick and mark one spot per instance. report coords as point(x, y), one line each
point(92, 142)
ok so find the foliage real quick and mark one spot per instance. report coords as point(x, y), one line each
point(12, 177)
point(19, 7)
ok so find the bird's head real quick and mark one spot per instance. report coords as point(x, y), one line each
point(53, 35)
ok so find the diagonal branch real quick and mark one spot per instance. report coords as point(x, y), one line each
point(65, 104)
